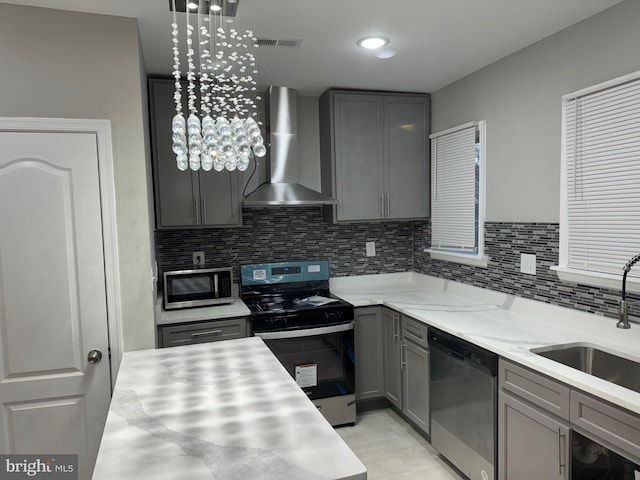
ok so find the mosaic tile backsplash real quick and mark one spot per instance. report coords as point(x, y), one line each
point(299, 233)
point(291, 234)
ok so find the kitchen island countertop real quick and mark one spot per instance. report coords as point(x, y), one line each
point(222, 410)
point(504, 324)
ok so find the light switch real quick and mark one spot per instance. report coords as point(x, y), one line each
point(371, 249)
point(528, 263)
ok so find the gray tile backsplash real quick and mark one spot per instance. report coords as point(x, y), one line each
point(504, 242)
point(291, 234)
point(298, 233)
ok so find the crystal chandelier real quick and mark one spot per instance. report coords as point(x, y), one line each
point(224, 131)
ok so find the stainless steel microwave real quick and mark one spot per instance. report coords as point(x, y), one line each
point(198, 288)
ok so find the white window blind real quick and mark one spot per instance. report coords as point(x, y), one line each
point(454, 211)
point(602, 151)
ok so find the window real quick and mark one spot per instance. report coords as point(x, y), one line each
point(600, 182)
point(457, 194)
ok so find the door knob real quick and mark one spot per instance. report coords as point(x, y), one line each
point(94, 356)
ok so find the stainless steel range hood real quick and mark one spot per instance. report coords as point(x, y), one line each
point(282, 187)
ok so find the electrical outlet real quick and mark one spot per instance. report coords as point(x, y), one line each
point(371, 249)
point(198, 259)
point(528, 263)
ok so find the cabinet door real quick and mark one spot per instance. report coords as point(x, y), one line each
point(531, 444)
point(415, 379)
point(392, 350)
point(407, 156)
point(176, 192)
point(219, 197)
point(369, 356)
point(203, 332)
point(358, 130)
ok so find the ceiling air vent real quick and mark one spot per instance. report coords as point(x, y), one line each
point(272, 42)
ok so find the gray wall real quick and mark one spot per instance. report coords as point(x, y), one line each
point(75, 65)
point(519, 97)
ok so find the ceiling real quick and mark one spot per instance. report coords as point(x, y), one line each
point(436, 41)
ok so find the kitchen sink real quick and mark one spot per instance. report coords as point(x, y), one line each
point(595, 361)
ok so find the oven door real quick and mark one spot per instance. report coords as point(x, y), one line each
point(320, 359)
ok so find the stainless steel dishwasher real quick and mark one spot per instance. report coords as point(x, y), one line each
point(463, 391)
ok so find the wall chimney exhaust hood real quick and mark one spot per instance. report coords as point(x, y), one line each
point(282, 187)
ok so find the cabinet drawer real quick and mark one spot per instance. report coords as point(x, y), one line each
point(202, 332)
point(537, 389)
point(608, 424)
point(415, 331)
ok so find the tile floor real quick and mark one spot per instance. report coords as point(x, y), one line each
point(391, 449)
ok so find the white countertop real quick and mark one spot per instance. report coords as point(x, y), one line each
point(507, 325)
point(224, 410)
point(216, 312)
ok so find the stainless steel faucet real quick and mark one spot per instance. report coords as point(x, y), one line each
point(624, 305)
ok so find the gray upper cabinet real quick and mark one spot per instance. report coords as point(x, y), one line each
point(374, 149)
point(186, 198)
point(407, 165)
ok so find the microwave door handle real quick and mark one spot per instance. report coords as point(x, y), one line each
point(216, 292)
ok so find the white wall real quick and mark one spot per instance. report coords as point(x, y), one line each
point(74, 65)
point(520, 98)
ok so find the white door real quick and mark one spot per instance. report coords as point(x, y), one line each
point(53, 309)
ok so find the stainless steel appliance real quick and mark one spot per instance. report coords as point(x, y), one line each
point(198, 288)
point(463, 389)
point(308, 329)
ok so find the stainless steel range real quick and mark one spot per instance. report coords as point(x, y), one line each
point(308, 329)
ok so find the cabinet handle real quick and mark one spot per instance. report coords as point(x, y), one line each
point(403, 356)
point(208, 332)
point(396, 327)
point(382, 205)
point(561, 461)
point(415, 333)
point(388, 206)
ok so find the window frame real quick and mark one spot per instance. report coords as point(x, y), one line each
point(478, 259)
point(563, 269)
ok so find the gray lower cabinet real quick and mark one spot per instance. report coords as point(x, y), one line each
point(374, 150)
point(369, 354)
point(607, 424)
point(186, 198)
point(533, 425)
point(392, 347)
point(406, 366)
point(531, 444)
point(415, 372)
point(202, 332)
point(537, 416)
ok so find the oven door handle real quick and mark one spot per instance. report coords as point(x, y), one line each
point(304, 333)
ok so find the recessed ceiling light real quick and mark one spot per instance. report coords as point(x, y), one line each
point(192, 5)
point(373, 42)
point(215, 8)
